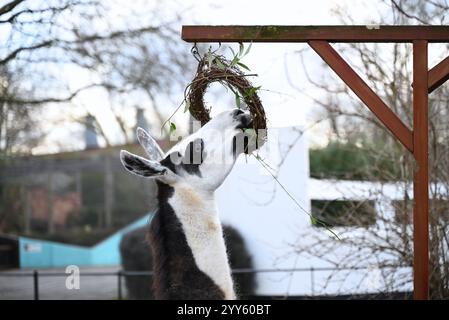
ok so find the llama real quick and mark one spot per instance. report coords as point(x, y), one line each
point(189, 253)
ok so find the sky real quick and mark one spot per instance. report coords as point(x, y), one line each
point(277, 65)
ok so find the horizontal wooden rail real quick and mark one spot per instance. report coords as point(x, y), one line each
point(366, 33)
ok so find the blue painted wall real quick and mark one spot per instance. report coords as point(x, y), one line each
point(107, 251)
point(35, 253)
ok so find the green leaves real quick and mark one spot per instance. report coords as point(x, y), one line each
point(219, 63)
point(319, 223)
point(210, 58)
point(241, 49)
point(248, 49)
point(172, 127)
point(186, 105)
point(238, 56)
point(232, 50)
point(243, 66)
point(252, 91)
point(250, 132)
point(214, 59)
point(237, 100)
point(234, 61)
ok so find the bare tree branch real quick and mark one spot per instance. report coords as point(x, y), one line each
point(14, 54)
point(40, 101)
point(10, 6)
point(408, 15)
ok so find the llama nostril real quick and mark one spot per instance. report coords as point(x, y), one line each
point(238, 112)
point(246, 122)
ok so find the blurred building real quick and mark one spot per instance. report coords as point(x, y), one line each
point(75, 197)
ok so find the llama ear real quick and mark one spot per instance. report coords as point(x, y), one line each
point(150, 145)
point(141, 166)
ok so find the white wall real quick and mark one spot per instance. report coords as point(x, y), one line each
point(270, 222)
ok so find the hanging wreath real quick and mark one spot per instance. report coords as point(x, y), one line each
point(216, 68)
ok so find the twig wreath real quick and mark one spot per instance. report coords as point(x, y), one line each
point(214, 68)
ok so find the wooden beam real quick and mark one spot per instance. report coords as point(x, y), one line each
point(421, 174)
point(438, 74)
point(273, 33)
point(364, 92)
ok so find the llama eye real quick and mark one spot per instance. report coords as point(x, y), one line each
point(176, 158)
point(172, 160)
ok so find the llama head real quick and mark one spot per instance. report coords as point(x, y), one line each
point(202, 160)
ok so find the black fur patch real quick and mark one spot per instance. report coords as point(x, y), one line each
point(172, 161)
point(193, 157)
point(245, 121)
point(236, 113)
point(140, 167)
point(176, 274)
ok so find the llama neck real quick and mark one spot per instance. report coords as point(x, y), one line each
point(190, 259)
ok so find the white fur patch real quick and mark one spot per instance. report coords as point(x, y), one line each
point(202, 227)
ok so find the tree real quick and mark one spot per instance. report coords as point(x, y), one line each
point(135, 56)
point(18, 122)
point(54, 52)
point(387, 244)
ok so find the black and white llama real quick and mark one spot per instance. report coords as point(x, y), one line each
point(189, 253)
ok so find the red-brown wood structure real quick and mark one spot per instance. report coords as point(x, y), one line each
point(424, 82)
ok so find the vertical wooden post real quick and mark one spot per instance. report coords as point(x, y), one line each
point(421, 174)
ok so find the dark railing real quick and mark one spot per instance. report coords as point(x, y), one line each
point(35, 275)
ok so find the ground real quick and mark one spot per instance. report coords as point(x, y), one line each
point(54, 287)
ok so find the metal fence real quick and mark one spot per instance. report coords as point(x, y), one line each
point(36, 277)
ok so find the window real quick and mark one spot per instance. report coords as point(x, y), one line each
point(344, 213)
